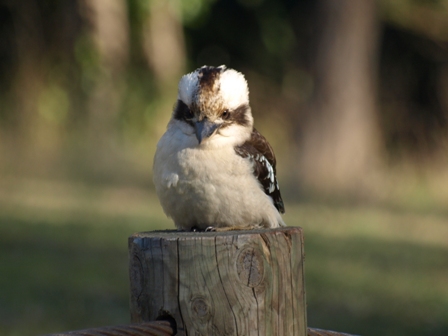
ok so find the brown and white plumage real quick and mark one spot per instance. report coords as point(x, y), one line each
point(212, 167)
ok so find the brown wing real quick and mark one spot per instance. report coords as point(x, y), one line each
point(261, 155)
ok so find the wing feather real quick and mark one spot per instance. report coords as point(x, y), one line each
point(260, 153)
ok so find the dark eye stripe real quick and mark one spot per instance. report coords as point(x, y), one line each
point(239, 115)
point(182, 112)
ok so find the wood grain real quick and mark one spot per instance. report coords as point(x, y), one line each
point(220, 283)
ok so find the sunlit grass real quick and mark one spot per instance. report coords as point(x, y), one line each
point(369, 270)
point(375, 271)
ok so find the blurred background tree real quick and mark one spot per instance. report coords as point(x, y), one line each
point(351, 89)
point(340, 136)
point(353, 96)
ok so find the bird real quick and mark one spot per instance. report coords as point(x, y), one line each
point(212, 170)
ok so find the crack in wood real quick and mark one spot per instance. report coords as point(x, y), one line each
point(178, 289)
point(224, 287)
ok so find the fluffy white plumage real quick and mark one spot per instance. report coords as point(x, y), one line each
point(188, 84)
point(200, 178)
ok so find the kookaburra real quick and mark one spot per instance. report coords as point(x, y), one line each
point(212, 168)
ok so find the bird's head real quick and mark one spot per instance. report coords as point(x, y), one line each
point(214, 102)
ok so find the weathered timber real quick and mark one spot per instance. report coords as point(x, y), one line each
point(154, 328)
point(159, 328)
point(225, 283)
point(321, 332)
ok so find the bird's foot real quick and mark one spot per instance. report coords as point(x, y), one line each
point(207, 229)
point(224, 229)
point(230, 228)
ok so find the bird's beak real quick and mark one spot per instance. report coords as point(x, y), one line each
point(204, 129)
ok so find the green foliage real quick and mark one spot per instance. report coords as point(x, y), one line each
point(425, 17)
point(53, 104)
point(278, 36)
point(88, 59)
point(195, 11)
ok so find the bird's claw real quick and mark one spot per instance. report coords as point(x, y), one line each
point(207, 229)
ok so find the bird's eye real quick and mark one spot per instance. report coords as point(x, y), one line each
point(226, 114)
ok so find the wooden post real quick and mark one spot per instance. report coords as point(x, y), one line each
point(220, 283)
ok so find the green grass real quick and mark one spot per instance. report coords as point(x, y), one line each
point(63, 261)
point(375, 271)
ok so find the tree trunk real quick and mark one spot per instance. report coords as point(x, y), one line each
point(340, 139)
point(29, 79)
point(163, 42)
point(232, 283)
point(164, 48)
point(110, 33)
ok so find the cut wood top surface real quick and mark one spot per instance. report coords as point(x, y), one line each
point(185, 234)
